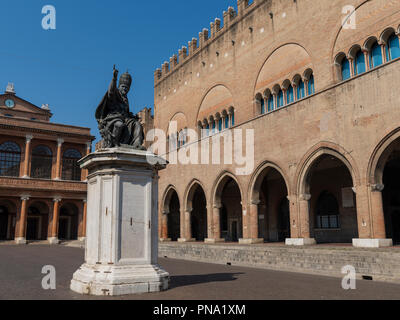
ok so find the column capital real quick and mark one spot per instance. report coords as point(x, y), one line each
point(29, 138)
point(84, 200)
point(255, 202)
point(57, 199)
point(305, 197)
point(189, 210)
point(377, 187)
point(60, 142)
point(217, 205)
point(165, 212)
point(25, 197)
point(291, 197)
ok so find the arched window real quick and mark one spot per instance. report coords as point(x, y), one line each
point(290, 95)
point(214, 127)
point(327, 211)
point(393, 47)
point(179, 135)
point(359, 63)
point(226, 122)
point(70, 168)
point(376, 56)
point(311, 85)
point(10, 159)
point(262, 106)
point(173, 142)
point(233, 118)
point(301, 92)
point(208, 130)
point(280, 99)
point(220, 124)
point(41, 164)
point(270, 103)
point(345, 69)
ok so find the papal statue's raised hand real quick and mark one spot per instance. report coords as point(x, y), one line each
point(115, 73)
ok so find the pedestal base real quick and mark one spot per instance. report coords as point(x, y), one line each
point(211, 241)
point(300, 242)
point(186, 240)
point(250, 241)
point(100, 280)
point(53, 240)
point(165, 240)
point(82, 239)
point(20, 241)
point(372, 243)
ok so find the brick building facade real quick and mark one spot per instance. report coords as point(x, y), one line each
point(42, 189)
point(319, 92)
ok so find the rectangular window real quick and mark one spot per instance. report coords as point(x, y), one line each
point(328, 222)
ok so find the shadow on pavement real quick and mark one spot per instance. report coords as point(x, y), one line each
point(183, 281)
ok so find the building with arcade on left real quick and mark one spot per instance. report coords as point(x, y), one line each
point(42, 188)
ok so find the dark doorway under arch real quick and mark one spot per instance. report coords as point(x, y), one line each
point(199, 215)
point(68, 222)
point(174, 217)
point(273, 210)
point(391, 196)
point(4, 223)
point(231, 223)
point(333, 213)
point(37, 221)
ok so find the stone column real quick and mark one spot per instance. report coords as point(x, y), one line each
point(186, 231)
point(352, 71)
point(59, 156)
point(375, 222)
point(27, 156)
point(252, 233)
point(53, 239)
point(295, 97)
point(284, 97)
point(84, 219)
point(383, 47)
point(20, 237)
point(216, 225)
point(164, 227)
point(366, 59)
point(304, 221)
point(294, 219)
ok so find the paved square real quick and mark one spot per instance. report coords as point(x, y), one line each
point(20, 278)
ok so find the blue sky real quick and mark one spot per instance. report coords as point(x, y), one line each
point(70, 68)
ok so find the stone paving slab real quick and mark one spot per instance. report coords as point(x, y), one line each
point(20, 278)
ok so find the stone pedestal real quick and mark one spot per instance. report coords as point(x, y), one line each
point(250, 241)
point(20, 240)
point(372, 243)
point(300, 242)
point(53, 240)
point(213, 241)
point(121, 239)
point(183, 240)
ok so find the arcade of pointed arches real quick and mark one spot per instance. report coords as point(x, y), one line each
point(327, 199)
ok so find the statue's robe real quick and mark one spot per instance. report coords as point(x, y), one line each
point(114, 108)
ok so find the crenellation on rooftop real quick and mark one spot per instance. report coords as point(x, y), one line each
point(206, 36)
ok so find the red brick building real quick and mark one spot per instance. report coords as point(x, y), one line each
point(316, 81)
point(42, 189)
